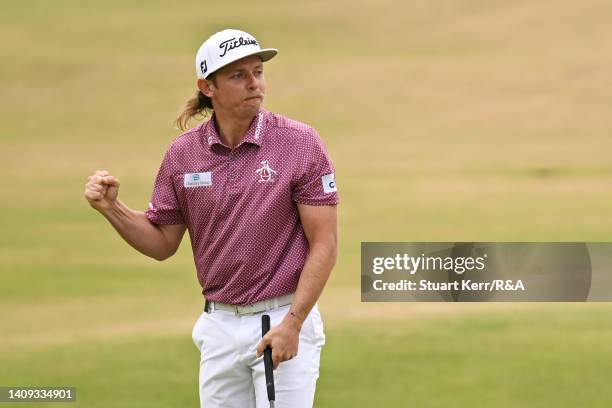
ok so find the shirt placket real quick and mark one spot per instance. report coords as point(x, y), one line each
point(231, 188)
point(233, 175)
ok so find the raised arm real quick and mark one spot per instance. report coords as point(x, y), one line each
point(157, 241)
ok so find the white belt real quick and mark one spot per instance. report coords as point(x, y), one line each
point(261, 306)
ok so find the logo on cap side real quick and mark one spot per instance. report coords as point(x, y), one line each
point(203, 67)
point(232, 43)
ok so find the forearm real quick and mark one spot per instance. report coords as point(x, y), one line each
point(317, 268)
point(136, 229)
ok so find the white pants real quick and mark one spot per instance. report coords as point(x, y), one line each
point(231, 375)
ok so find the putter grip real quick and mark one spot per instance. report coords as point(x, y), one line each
point(265, 327)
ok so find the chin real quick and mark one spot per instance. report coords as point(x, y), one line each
point(252, 108)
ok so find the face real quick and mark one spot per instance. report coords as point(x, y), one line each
point(238, 89)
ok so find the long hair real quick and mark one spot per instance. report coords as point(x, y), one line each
point(199, 106)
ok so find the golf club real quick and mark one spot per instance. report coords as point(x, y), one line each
point(265, 327)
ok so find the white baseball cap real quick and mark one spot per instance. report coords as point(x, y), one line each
point(225, 47)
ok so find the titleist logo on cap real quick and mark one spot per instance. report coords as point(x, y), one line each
point(232, 43)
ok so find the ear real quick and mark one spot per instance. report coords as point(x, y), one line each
point(206, 87)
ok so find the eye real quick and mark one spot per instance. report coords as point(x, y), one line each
point(236, 75)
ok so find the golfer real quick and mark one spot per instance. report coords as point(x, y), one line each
point(257, 193)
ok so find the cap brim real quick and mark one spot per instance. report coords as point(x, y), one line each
point(266, 54)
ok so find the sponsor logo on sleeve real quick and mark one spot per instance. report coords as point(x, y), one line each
point(329, 183)
point(197, 179)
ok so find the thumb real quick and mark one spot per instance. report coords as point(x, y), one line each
point(110, 181)
point(262, 346)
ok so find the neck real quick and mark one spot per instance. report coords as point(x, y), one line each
point(231, 128)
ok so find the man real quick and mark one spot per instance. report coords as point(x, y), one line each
point(257, 193)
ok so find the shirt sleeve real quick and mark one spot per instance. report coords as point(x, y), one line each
point(315, 179)
point(164, 206)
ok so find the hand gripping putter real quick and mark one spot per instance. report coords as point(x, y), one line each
point(265, 327)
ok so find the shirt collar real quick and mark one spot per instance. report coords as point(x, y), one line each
point(253, 135)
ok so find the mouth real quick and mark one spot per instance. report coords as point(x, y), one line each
point(257, 97)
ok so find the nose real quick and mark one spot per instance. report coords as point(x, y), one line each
point(252, 81)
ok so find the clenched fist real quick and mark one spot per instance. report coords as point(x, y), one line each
point(101, 190)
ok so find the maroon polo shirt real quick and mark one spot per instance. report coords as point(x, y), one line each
point(240, 205)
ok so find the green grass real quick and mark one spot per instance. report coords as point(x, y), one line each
point(447, 121)
point(522, 359)
point(504, 360)
point(154, 371)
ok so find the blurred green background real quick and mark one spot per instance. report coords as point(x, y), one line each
point(447, 121)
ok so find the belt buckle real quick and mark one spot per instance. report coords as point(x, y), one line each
point(238, 310)
point(246, 309)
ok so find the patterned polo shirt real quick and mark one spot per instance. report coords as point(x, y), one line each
point(240, 205)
